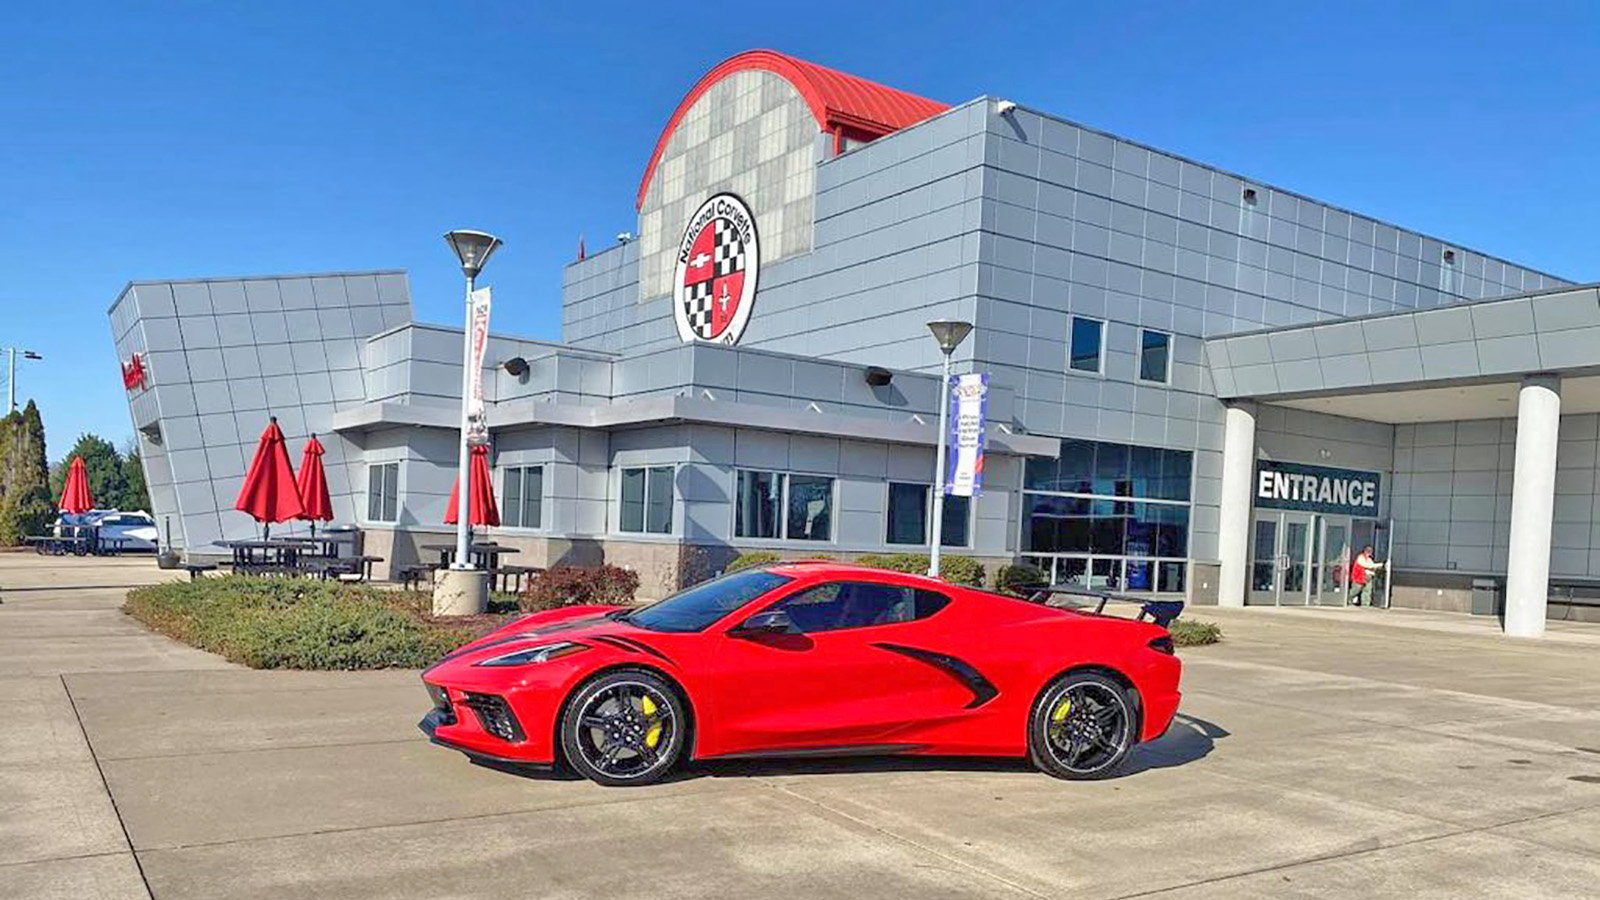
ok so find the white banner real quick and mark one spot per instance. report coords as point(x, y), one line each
point(477, 426)
point(969, 400)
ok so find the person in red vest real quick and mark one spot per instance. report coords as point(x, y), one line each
point(1362, 571)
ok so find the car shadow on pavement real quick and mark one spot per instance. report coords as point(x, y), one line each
point(1188, 738)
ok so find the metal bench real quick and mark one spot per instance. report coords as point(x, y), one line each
point(194, 569)
point(512, 579)
point(411, 577)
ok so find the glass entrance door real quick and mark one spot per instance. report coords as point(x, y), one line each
point(1264, 551)
point(1332, 587)
point(1298, 575)
point(1284, 568)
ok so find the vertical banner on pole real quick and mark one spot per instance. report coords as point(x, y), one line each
point(969, 402)
point(477, 425)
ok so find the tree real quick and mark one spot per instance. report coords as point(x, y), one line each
point(104, 465)
point(26, 506)
point(135, 493)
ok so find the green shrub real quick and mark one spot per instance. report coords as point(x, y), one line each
point(1193, 633)
point(578, 586)
point(750, 560)
point(1016, 578)
point(277, 623)
point(954, 569)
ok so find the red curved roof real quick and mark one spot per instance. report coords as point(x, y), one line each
point(838, 100)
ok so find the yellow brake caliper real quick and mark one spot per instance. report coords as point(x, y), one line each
point(653, 736)
point(1059, 714)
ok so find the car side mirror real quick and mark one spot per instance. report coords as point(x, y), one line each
point(772, 621)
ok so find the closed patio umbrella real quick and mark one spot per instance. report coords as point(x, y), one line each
point(312, 486)
point(483, 510)
point(269, 493)
point(75, 497)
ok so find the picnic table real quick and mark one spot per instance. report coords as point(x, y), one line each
point(266, 553)
point(315, 557)
point(484, 554)
point(59, 544)
point(78, 541)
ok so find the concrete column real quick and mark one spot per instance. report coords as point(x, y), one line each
point(1533, 499)
point(1238, 468)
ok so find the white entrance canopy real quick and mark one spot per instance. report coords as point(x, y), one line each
point(1464, 361)
point(1532, 356)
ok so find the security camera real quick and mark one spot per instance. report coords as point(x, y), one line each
point(1005, 107)
point(624, 236)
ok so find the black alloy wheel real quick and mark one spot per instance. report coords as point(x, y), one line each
point(1082, 726)
point(624, 728)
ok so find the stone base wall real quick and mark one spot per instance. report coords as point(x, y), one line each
point(1417, 590)
point(1203, 583)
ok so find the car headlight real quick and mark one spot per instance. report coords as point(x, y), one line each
point(530, 655)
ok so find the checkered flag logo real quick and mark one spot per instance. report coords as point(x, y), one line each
point(707, 302)
point(718, 261)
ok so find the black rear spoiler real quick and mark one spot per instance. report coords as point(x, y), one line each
point(1162, 612)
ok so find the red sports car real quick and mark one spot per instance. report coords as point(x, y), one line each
point(812, 659)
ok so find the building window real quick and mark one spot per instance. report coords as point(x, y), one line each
point(523, 496)
point(383, 492)
point(647, 500)
point(1155, 356)
point(909, 518)
point(781, 506)
point(1109, 516)
point(1086, 345)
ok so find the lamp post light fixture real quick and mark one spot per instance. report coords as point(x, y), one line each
point(11, 379)
point(949, 334)
point(473, 249)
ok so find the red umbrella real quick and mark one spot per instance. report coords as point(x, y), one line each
point(75, 497)
point(312, 486)
point(269, 493)
point(483, 511)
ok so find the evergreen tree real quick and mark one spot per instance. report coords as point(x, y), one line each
point(135, 493)
point(108, 480)
point(26, 506)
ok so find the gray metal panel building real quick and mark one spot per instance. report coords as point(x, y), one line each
point(1129, 304)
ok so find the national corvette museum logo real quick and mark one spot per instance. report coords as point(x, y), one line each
point(719, 259)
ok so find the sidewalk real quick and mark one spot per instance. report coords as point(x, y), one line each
point(1318, 753)
point(1574, 633)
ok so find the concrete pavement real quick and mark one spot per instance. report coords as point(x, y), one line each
point(1319, 754)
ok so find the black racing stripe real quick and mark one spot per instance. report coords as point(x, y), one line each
point(610, 641)
point(983, 690)
point(642, 647)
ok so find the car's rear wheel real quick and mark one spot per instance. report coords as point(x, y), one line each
point(1082, 726)
point(624, 728)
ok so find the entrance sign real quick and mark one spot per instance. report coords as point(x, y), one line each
point(1285, 485)
point(719, 262)
point(969, 402)
point(477, 425)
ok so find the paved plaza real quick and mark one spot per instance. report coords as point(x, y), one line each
point(1317, 753)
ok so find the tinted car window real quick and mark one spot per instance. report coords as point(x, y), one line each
point(858, 604)
point(695, 608)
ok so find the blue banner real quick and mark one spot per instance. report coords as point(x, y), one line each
point(969, 408)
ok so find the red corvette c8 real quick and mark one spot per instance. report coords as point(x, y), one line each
point(813, 659)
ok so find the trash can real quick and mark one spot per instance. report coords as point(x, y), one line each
point(1487, 599)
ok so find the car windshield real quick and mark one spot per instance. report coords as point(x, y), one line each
point(693, 609)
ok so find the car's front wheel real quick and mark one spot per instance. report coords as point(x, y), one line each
point(624, 728)
point(1082, 726)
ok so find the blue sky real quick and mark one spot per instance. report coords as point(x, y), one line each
point(145, 140)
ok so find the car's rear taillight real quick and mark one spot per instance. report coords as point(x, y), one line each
point(1162, 644)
